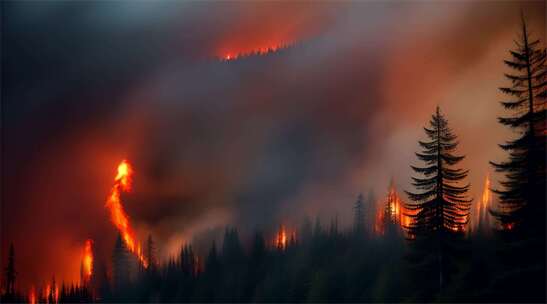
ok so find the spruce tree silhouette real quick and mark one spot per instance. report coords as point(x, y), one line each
point(522, 196)
point(359, 217)
point(440, 205)
point(11, 275)
point(521, 208)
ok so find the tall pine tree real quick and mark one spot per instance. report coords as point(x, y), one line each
point(10, 273)
point(441, 202)
point(522, 195)
point(440, 208)
point(151, 254)
point(521, 207)
point(359, 217)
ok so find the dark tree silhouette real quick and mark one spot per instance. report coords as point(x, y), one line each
point(11, 274)
point(151, 254)
point(440, 207)
point(441, 204)
point(370, 212)
point(521, 208)
point(120, 265)
point(358, 217)
point(522, 196)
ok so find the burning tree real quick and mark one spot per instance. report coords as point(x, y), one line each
point(283, 239)
point(440, 206)
point(120, 219)
point(86, 268)
point(481, 216)
point(393, 216)
point(522, 197)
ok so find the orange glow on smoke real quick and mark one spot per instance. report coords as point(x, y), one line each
point(120, 219)
point(87, 260)
point(379, 222)
point(262, 48)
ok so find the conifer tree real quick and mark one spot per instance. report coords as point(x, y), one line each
point(441, 201)
point(522, 195)
point(370, 210)
point(10, 272)
point(120, 265)
point(440, 208)
point(151, 254)
point(358, 216)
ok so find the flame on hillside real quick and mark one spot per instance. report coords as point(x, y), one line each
point(283, 239)
point(87, 261)
point(481, 216)
point(235, 52)
point(52, 294)
point(32, 295)
point(393, 211)
point(120, 219)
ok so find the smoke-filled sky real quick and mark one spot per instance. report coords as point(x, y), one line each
point(253, 142)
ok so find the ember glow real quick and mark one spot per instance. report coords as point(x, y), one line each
point(32, 295)
point(282, 238)
point(87, 260)
point(52, 294)
point(120, 219)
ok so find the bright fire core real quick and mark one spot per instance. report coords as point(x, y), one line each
point(120, 219)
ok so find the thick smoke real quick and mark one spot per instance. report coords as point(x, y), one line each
point(254, 142)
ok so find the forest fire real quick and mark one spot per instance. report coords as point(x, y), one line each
point(481, 217)
point(120, 219)
point(238, 52)
point(52, 293)
point(282, 239)
point(393, 212)
point(87, 260)
point(32, 295)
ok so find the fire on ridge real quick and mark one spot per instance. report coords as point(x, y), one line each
point(120, 219)
point(236, 52)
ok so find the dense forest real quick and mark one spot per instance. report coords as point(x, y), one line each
point(437, 245)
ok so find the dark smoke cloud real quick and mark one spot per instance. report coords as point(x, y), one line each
point(253, 142)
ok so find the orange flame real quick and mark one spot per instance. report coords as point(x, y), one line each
point(379, 222)
point(393, 208)
point(481, 215)
point(32, 296)
point(281, 240)
point(48, 292)
point(232, 54)
point(120, 219)
point(53, 293)
point(87, 260)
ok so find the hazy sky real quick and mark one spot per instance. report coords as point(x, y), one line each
point(254, 142)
